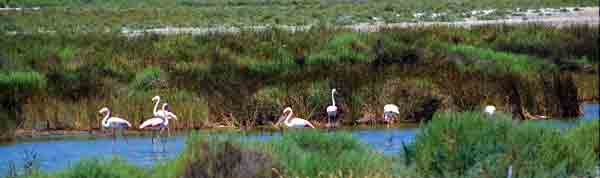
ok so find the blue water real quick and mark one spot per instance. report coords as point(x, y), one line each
point(59, 153)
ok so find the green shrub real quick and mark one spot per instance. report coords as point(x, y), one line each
point(147, 79)
point(498, 61)
point(473, 145)
point(319, 154)
point(22, 81)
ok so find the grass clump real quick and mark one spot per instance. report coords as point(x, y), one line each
point(343, 48)
point(493, 61)
point(225, 157)
point(97, 168)
point(147, 79)
point(318, 154)
point(473, 145)
point(22, 81)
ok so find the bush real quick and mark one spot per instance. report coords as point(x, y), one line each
point(147, 79)
point(474, 145)
point(226, 158)
point(318, 154)
point(22, 81)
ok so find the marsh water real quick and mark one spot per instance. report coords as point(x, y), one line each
point(55, 153)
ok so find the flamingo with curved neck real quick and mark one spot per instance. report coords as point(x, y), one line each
point(294, 122)
point(113, 123)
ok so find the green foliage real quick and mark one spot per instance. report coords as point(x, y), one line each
point(22, 81)
point(92, 168)
point(343, 48)
point(147, 79)
point(471, 144)
point(318, 154)
point(498, 61)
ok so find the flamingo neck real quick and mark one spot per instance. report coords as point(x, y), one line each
point(287, 120)
point(332, 98)
point(156, 106)
point(105, 119)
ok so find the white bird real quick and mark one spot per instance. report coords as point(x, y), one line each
point(113, 123)
point(388, 111)
point(160, 120)
point(293, 122)
point(332, 110)
point(489, 109)
point(164, 112)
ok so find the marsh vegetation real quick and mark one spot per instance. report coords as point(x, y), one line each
point(467, 144)
point(59, 81)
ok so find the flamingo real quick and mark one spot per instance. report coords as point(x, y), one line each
point(164, 112)
point(113, 123)
point(388, 112)
point(331, 110)
point(489, 109)
point(294, 122)
point(160, 119)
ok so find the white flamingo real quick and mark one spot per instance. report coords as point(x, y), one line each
point(114, 123)
point(164, 112)
point(160, 120)
point(489, 109)
point(388, 111)
point(293, 122)
point(332, 110)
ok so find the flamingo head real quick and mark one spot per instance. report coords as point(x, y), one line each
point(156, 98)
point(333, 90)
point(286, 112)
point(103, 110)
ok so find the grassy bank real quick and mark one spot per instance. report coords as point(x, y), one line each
point(467, 144)
point(60, 81)
point(96, 15)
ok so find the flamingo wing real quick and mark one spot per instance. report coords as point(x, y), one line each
point(153, 122)
point(116, 122)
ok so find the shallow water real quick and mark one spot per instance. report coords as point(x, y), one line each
point(58, 153)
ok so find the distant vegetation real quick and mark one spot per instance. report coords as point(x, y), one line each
point(246, 78)
point(115, 15)
point(465, 144)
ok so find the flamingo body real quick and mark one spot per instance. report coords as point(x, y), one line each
point(489, 109)
point(155, 122)
point(117, 123)
point(391, 108)
point(294, 122)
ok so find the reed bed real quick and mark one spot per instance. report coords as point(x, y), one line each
point(236, 79)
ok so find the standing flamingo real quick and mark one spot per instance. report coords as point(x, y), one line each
point(388, 112)
point(293, 122)
point(114, 123)
point(332, 110)
point(160, 119)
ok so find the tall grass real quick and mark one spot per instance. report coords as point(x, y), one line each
point(229, 79)
point(501, 62)
point(471, 144)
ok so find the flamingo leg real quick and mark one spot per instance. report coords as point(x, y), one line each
point(114, 135)
point(124, 136)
